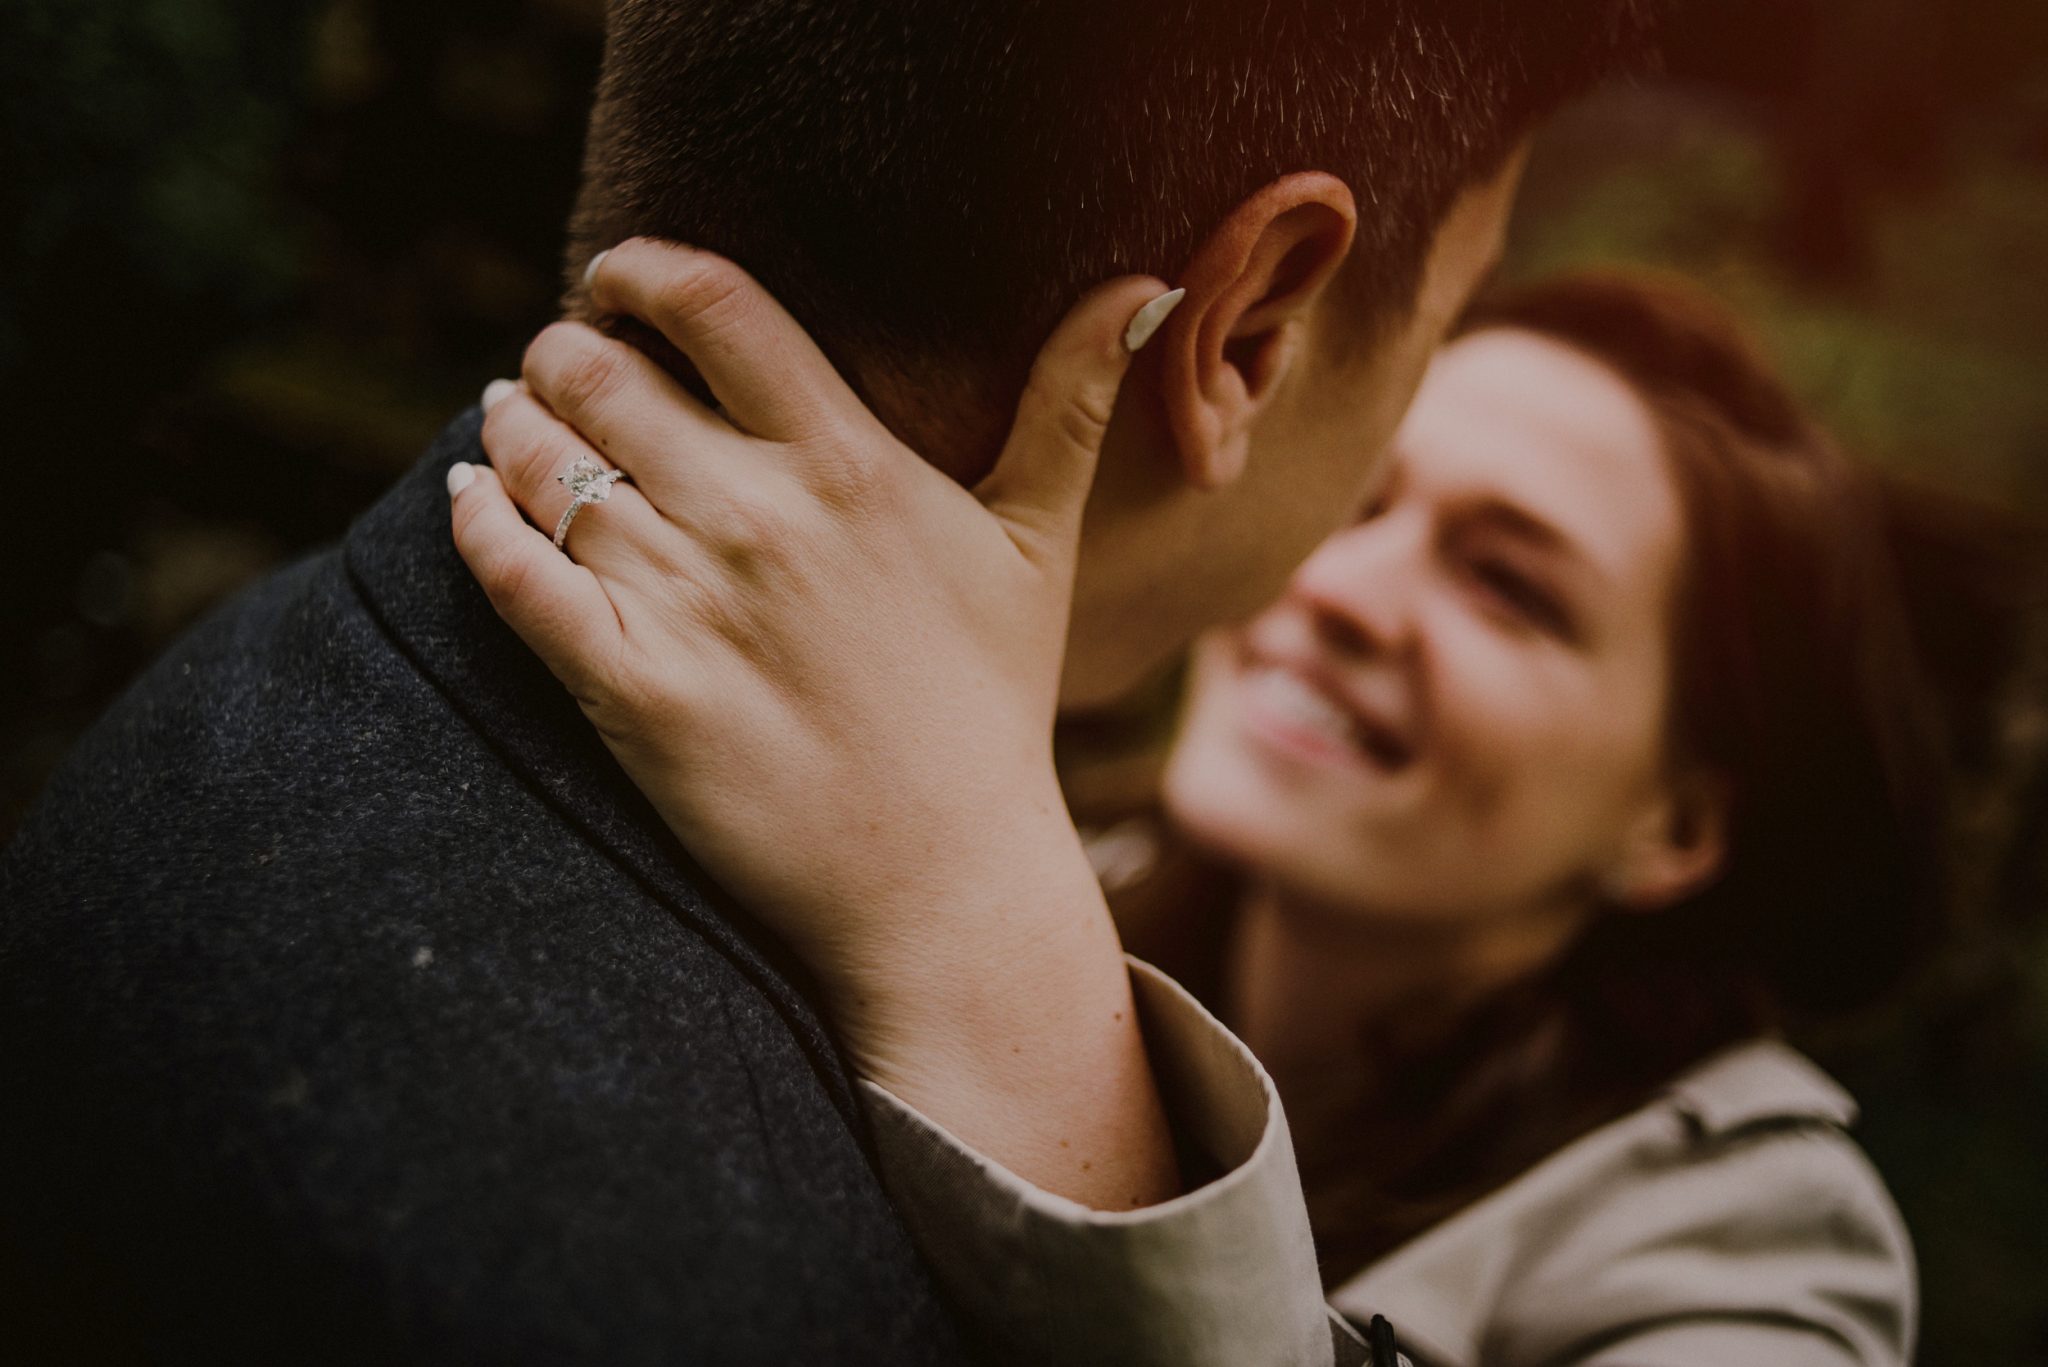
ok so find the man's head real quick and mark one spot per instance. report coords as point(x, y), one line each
point(929, 184)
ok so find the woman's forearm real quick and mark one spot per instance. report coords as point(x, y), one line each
point(1224, 1276)
point(1015, 1030)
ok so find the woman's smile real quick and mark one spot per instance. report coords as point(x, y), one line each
point(1459, 699)
point(1309, 712)
point(1301, 701)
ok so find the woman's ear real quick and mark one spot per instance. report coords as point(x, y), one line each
point(1251, 288)
point(1678, 846)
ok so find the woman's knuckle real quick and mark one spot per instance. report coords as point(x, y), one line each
point(572, 366)
point(1080, 419)
point(507, 578)
point(753, 527)
point(492, 433)
point(1044, 406)
point(502, 437)
point(462, 522)
point(850, 480)
point(549, 346)
point(709, 291)
point(523, 462)
point(588, 377)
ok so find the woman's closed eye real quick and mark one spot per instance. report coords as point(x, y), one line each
point(1508, 587)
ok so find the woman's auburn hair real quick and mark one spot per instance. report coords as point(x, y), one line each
point(1796, 684)
point(1796, 680)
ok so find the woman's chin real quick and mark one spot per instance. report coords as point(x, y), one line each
point(1226, 812)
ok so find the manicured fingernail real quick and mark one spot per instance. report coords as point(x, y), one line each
point(590, 271)
point(496, 393)
point(1147, 320)
point(460, 476)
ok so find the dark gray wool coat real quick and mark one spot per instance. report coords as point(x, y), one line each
point(354, 1008)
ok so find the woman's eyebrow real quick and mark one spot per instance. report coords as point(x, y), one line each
point(1524, 525)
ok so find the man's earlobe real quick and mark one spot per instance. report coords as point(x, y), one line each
point(1252, 289)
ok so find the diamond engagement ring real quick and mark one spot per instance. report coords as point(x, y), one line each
point(589, 483)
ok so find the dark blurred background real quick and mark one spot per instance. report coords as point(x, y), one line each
point(253, 253)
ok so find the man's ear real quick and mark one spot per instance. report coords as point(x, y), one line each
point(1677, 847)
point(1251, 288)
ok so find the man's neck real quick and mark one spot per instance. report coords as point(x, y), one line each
point(1109, 758)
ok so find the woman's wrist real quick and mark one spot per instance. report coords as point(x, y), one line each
point(1011, 1024)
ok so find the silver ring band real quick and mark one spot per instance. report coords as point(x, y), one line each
point(568, 516)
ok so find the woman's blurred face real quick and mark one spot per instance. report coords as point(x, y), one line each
point(1457, 710)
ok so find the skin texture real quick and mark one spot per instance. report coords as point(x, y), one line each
point(835, 671)
point(1252, 426)
point(1491, 642)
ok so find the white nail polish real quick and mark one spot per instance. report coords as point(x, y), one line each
point(496, 393)
point(460, 476)
point(1147, 320)
point(590, 271)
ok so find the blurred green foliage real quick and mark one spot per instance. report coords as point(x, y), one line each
point(143, 144)
point(1932, 360)
point(254, 252)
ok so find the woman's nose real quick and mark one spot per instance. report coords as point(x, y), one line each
point(1358, 588)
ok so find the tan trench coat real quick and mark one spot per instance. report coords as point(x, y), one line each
point(1732, 1220)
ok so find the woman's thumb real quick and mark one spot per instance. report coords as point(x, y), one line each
point(1040, 482)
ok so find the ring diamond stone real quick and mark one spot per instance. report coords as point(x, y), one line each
point(587, 483)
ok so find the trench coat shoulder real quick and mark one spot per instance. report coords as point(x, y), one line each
point(1731, 1219)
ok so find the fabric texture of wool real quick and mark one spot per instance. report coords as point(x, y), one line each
point(354, 1007)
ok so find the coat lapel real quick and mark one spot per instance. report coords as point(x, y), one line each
point(403, 561)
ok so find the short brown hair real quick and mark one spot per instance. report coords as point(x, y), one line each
point(1795, 670)
point(940, 179)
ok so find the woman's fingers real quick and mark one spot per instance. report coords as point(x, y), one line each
point(554, 605)
point(531, 449)
point(622, 403)
point(764, 368)
point(1040, 483)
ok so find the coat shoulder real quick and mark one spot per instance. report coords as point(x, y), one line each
point(1735, 1201)
point(305, 992)
point(1743, 1201)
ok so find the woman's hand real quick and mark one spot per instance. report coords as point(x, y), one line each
point(834, 671)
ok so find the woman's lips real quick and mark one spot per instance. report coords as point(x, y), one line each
point(1301, 714)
